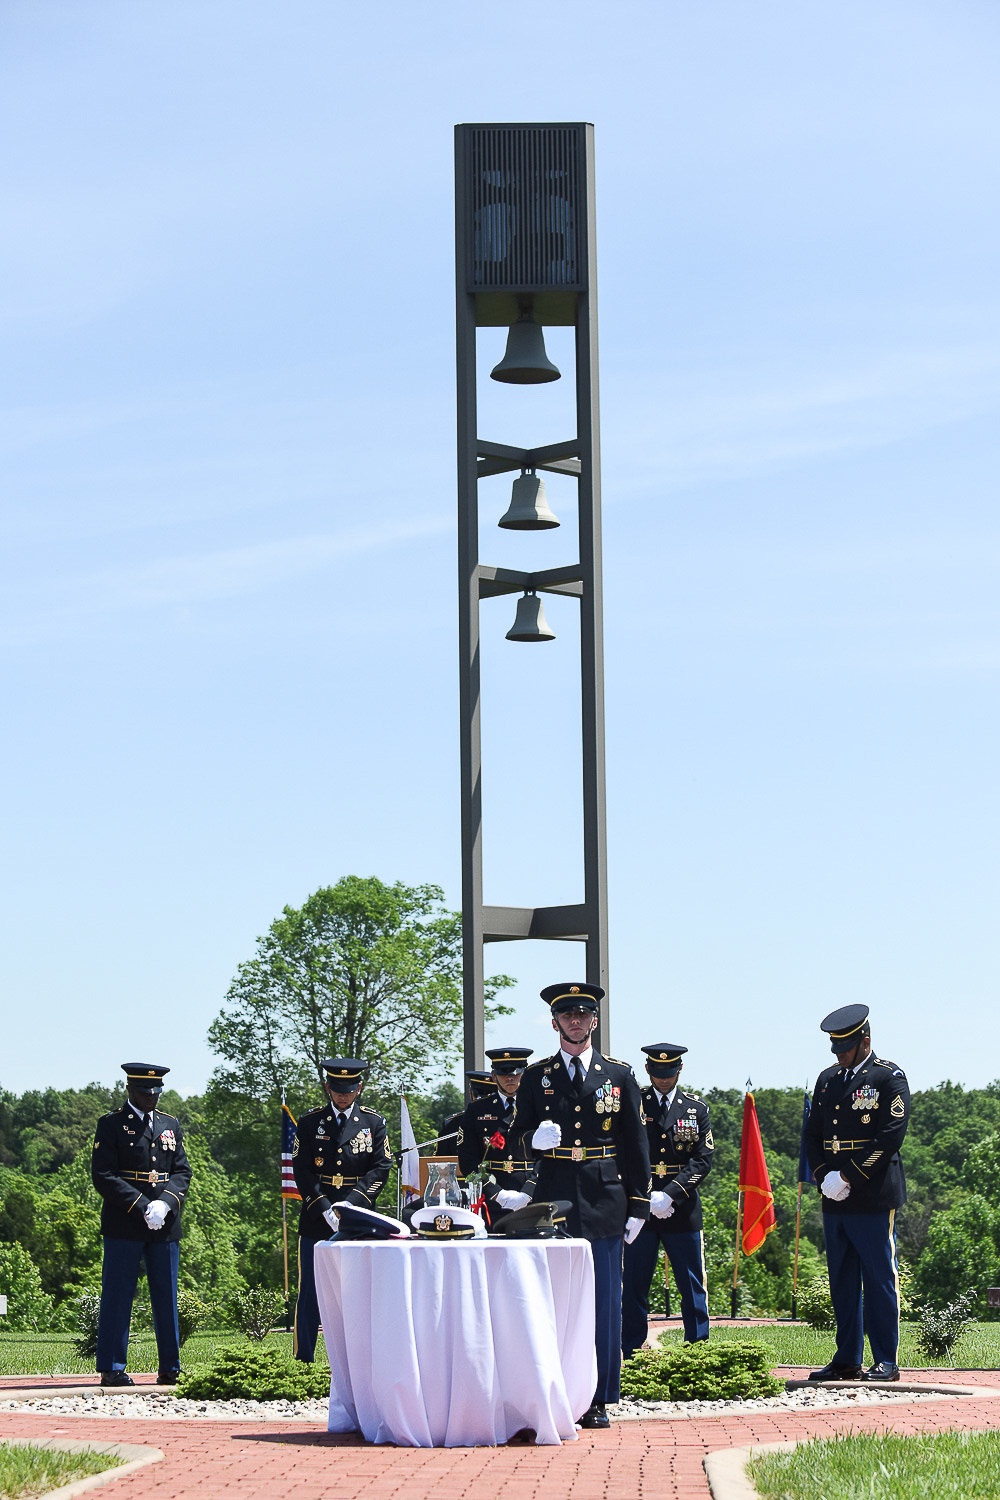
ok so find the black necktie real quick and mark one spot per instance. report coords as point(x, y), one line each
point(664, 1111)
point(577, 1067)
point(147, 1124)
point(508, 1107)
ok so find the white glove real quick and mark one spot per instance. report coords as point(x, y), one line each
point(155, 1213)
point(835, 1187)
point(632, 1228)
point(332, 1218)
point(661, 1205)
point(547, 1135)
point(508, 1198)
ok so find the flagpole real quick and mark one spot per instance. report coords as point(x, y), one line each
point(736, 1255)
point(795, 1263)
point(284, 1233)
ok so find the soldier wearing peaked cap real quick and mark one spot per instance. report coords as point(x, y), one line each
point(140, 1169)
point(340, 1155)
point(487, 1135)
point(680, 1154)
point(860, 1109)
point(580, 1119)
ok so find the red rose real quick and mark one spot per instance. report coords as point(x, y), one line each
point(498, 1141)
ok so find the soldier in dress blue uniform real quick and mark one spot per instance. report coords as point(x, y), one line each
point(680, 1154)
point(580, 1118)
point(141, 1171)
point(487, 1137)
point(860, 1109)
point(340, 1155)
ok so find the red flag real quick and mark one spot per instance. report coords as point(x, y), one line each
point(755, 1184)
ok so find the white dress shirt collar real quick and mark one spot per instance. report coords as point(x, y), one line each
point(586, 1058)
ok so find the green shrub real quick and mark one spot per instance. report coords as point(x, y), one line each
point(88, 1310)
point(941, 1327)
point(255, 1374)
point(29, 1306)
point(192, 1314)
point(813, 1304)
point(255, 1311)
point(700, 1372)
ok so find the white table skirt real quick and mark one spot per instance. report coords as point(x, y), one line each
point(458, 1345)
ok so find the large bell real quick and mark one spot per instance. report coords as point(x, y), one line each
point(525, 361)
point(530, 623)
point(529, 510)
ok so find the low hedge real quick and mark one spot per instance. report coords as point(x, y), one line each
point(700, 1372)
point(253, 1373)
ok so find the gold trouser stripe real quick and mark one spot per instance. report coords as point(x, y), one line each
point(295, 1320)
point(895, 1274)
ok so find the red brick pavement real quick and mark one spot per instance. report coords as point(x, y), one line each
point(244, 1461)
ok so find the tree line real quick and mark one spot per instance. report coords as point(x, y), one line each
point(373, 970)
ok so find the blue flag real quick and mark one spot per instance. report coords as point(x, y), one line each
point(805, 1175)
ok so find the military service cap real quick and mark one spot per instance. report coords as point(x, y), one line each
point(845, 1027)
point(357, 1223)
point(535, 1221)
point(481, 1084)
point(444, 1222)
point(507, 1060)
point(345, 1071)
point(663, 1058)
point(567, 996)
point(148, 1076)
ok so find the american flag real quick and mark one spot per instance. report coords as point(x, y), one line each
point(288, 1188)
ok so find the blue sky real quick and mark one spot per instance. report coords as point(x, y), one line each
point(228, 604)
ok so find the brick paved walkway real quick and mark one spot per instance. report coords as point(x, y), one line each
point(220, 1461)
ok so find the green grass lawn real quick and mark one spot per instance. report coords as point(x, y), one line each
point(794, 1344)
point(53, 1353)
point(34, 1471)
point(939, 1466)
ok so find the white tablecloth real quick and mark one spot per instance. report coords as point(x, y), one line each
point(458, 1345)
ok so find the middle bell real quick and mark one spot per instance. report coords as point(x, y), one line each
point(529, 510)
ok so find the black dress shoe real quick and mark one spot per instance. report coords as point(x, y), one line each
point(167, 1377)
point(882, 1371)
point(116, 1377)
point(836, 1372)
point(597, 1416)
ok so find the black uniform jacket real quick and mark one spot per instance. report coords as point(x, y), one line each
point(601, 1165)
point(680, 1155)
point(855, 1128)
point(132, 1165)
point(483, 1122)
point(330, 1165)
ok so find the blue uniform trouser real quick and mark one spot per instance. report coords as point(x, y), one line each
point(306, 1305)
point(608, 1316)
point(861, 1259)
point(119, 1276)
point(685, 1251)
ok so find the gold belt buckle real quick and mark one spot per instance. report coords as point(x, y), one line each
point(835, 1146)
point(576, 1153)
point(508, 1165)
point(660, 1169)
point(154, 1177)
point(337, 1181)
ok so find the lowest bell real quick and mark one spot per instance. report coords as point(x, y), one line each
point(525, 361)
point(529, 510)
point(530, 623)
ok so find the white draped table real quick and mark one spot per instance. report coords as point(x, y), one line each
point(461, 1344)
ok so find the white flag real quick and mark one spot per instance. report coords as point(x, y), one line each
point(409, 1171)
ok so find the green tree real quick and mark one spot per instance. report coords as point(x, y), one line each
point(962, 1251)
point(361, 969)
point(28, 1305)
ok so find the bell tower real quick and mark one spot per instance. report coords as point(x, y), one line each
point(525, 260)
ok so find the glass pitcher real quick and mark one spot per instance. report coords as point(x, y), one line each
point(442, 1185)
